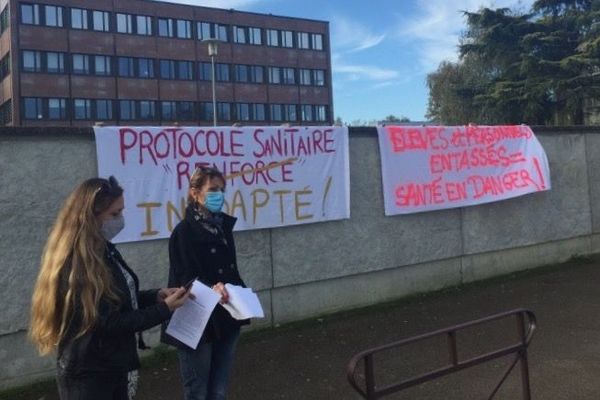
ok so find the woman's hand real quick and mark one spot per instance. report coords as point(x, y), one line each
point(219, 287)
point(177, 298)
point(164, 293)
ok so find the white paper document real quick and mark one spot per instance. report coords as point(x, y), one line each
point(243, 303)
point(188, 321)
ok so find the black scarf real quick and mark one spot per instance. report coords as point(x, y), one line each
point(211, 222)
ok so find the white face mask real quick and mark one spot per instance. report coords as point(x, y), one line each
point(111, 227)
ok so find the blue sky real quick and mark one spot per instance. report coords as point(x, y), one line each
point(382, 50)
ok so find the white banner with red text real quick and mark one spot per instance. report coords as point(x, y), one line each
point(275, 176)
point(428, 168)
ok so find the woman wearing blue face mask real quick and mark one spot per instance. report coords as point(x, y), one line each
point(87, 305)
point(202, 246)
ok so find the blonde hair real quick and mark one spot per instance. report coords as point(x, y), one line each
point(75, 246)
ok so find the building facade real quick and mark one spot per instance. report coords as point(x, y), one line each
point(143, 62)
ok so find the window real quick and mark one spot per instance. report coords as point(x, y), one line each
point(81, 64)
point(124, 23)
point(224, 111)
point(303, 42)
point(147, 110)
point(146, 68)
point(249, 73)
point(167, 110)
point(165, 27)
point(221, 32)
point(32, 107)
point(241, 73)
point(222, 71)
point(184, 29)
point(57, 108)
point(321, 113)
point(206, 110)
point(32, 61)
point(305, 76)
point(79, 18)
point(30, 14)
point(272, 37)
point(205, 30)
point(104, 109)
point(242, 111)
point(209, 30)
point(185, 110)
point(256, 74)
point(4, 67)
point(316, 41)
point(167, 69)
point(275, 75)
point(126, 67)
point(276, 112)
point(102, 65)
point(205, 71)
point(127, 110)
point(184, 70)
point(39, 61)
point(100, 20)
point(318, 77)
point(239, 34)
point(4, 23)
point(288, 77)
point(289, 112)
point(255, 36)
point(306, 112)
point(55, 62)
point(143, 25)
point(82, 109)
point(6, 112)
point(287, 39)
point(54, 16)
point(258, 112)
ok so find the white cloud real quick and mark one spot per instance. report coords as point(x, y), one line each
point(350, 36)
point(227, 4)
point(369, 72)
point(436, 27)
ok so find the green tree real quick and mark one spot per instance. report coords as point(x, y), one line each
point(535, 68)
point(393, 118)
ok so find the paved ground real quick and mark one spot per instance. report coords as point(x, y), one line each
point(308, 360)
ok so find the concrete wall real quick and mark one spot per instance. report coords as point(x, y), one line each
point(312, 269)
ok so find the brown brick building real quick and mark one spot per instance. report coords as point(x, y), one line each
point(142, 62)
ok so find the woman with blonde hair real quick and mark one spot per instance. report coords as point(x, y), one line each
point(86, 305)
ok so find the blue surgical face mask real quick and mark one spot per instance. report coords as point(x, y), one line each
point(214, 201)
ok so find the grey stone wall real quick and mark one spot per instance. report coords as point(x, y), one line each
point(307, 270)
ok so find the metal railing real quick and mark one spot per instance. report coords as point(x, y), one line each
point(526, 324)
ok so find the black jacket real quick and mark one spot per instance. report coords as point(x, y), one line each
point(195, 251)
point(111, 344)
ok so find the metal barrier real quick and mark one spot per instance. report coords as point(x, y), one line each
point(526, 324)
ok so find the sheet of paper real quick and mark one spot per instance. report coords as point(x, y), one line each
point(243, 303)
point(188, 321)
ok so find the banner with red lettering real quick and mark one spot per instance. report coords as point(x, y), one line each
point(275, 176)
point(428, 168)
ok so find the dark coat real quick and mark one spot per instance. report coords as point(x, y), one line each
point(110, 346)
point(195, 251)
